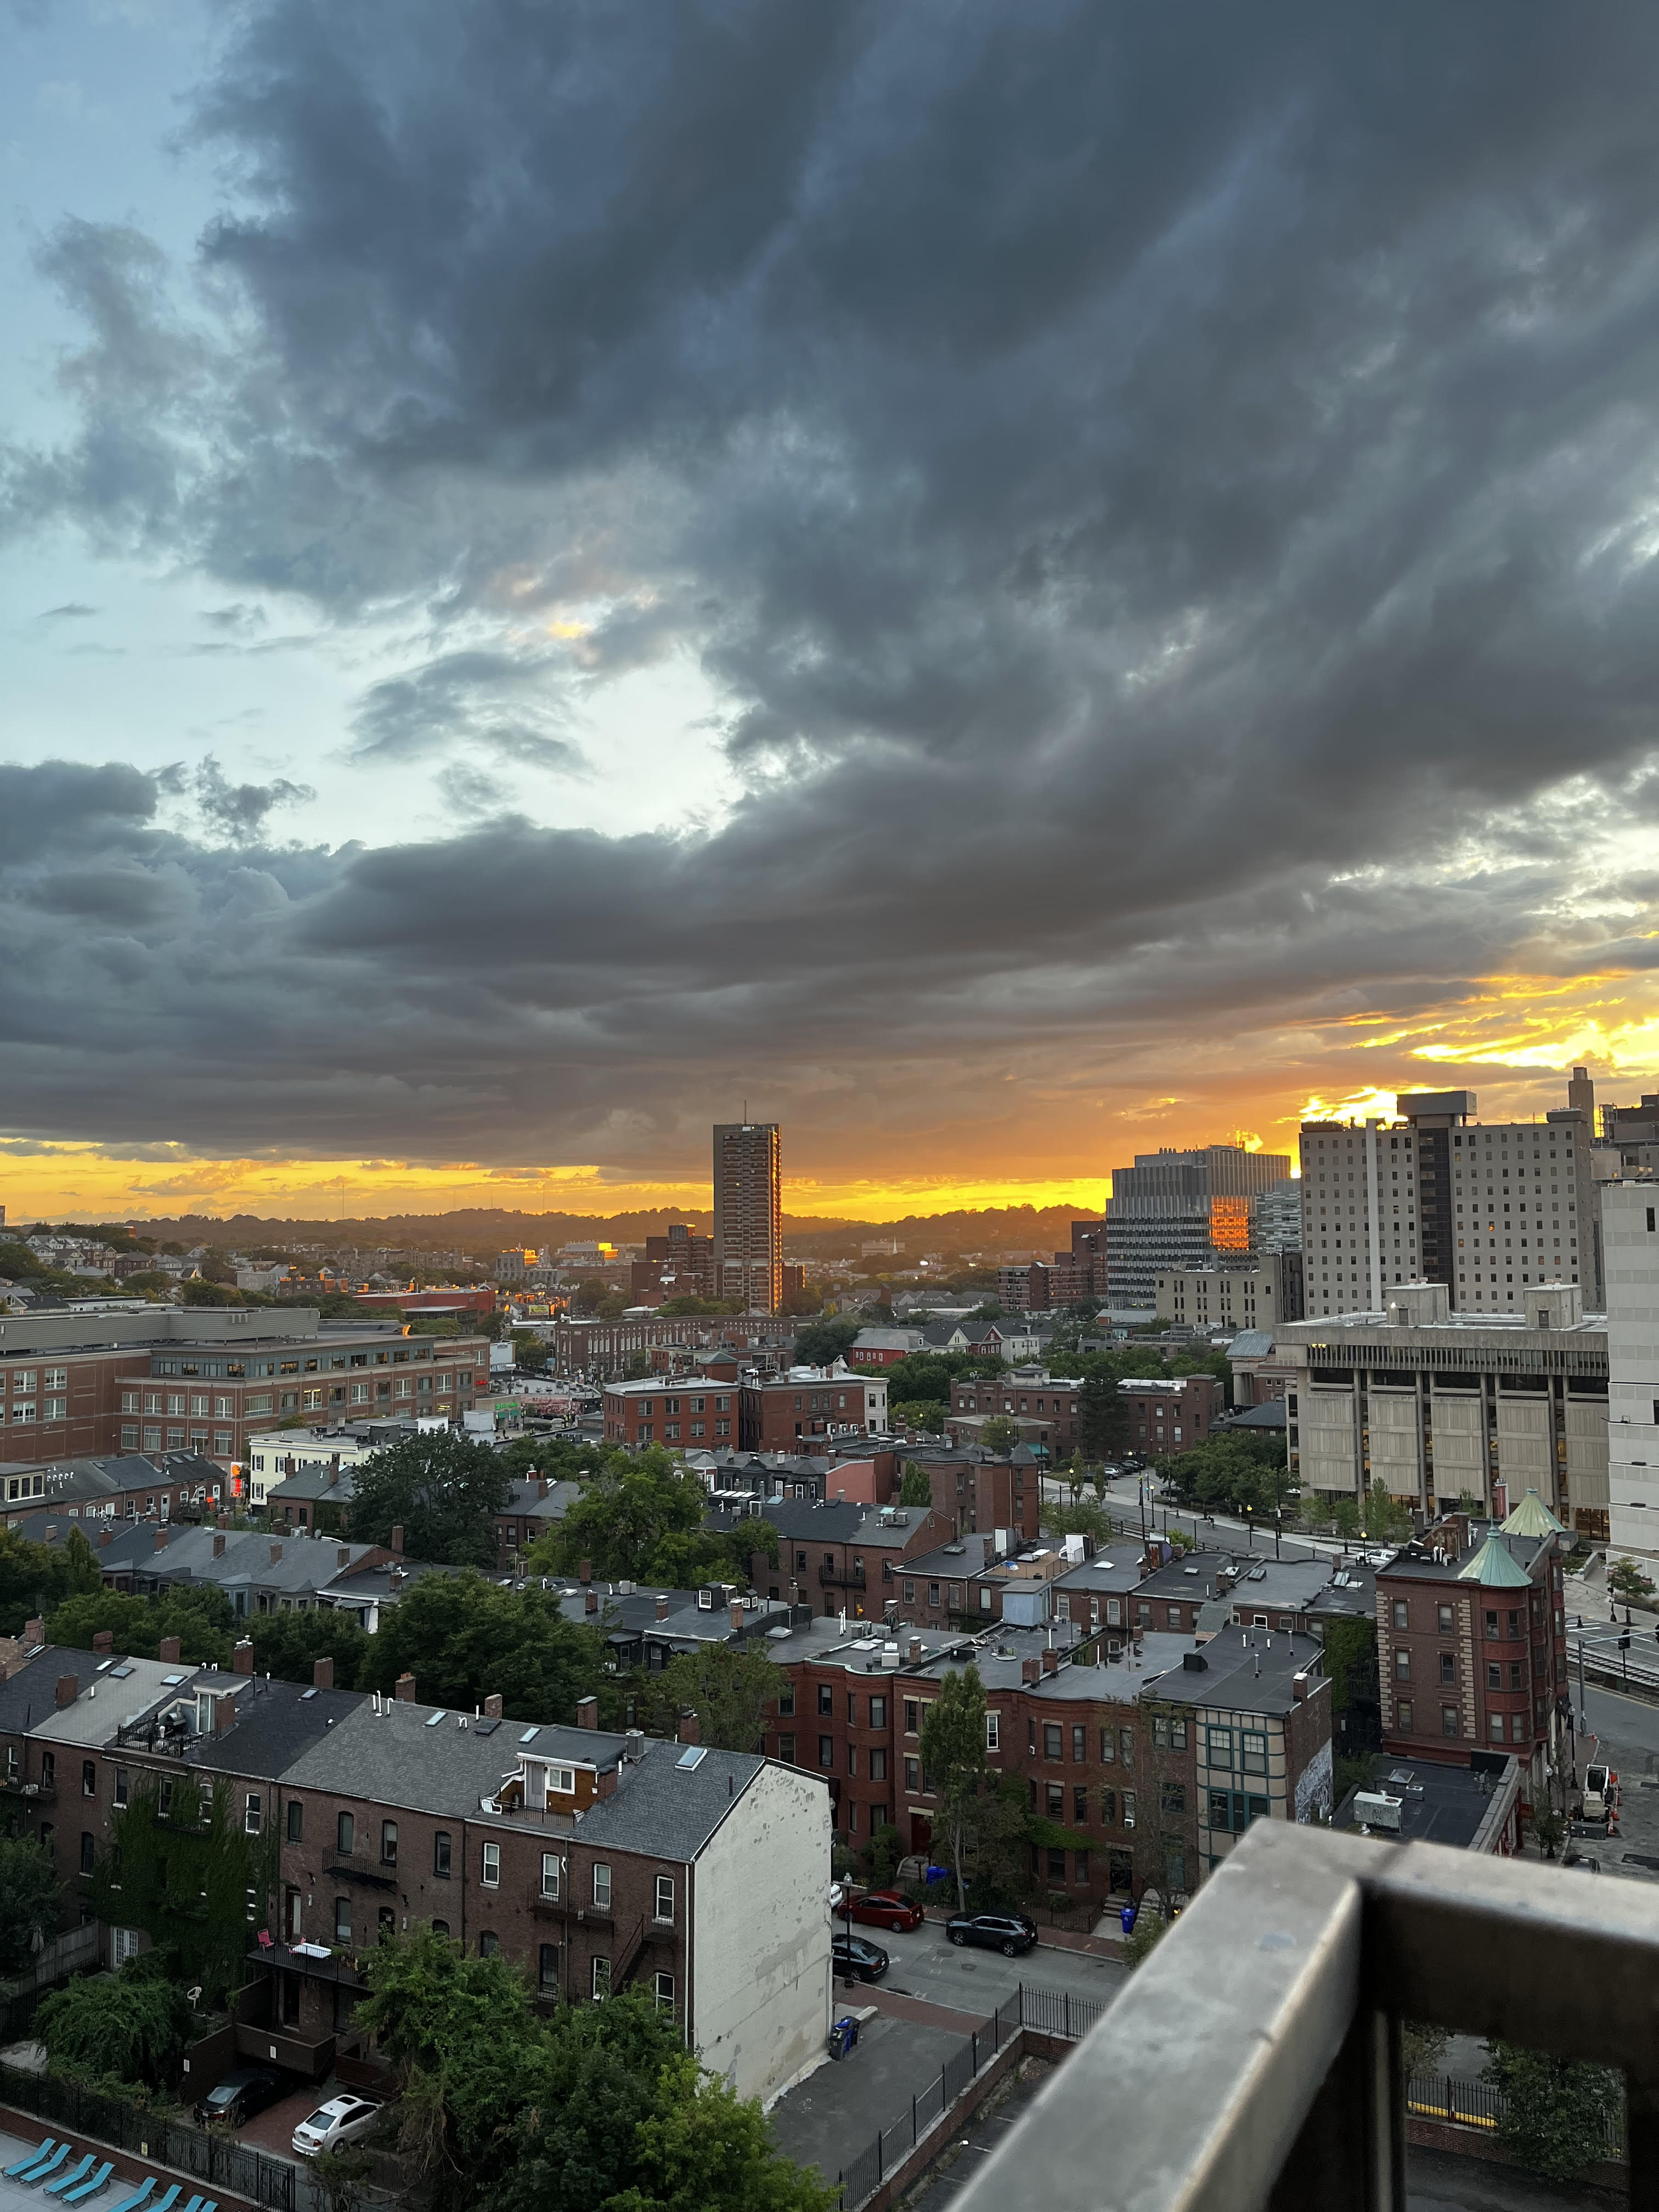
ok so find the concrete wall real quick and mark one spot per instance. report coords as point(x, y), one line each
point(759, 1934)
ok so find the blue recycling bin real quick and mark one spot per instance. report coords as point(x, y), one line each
point(842, 2036)
point(1127, 1917)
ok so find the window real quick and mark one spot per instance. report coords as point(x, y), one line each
point(1494, 1676)
point(787, 1702)
point(343, 1920)
point(1108, 1746)
point(253, 1813)
point(877, 1763)
point(296, 1820)
point(1080, 1805)
point(345, 1834)
point(826, 1751)
point(662, 1988)
point(441, 1855)
point(913, 1774)
point(1128, 1808)
point(993, 1731)
point(488, 1943)
point(1402, 1618)
point(1254, 1759)
point(1172, 1799)
point(550, 1875)
point(88, 1777)
point(547, 1967)
point(491, 1873)
point(877, 1712)
point(388, 1842)
point(1126, 1746)
point(1403, 1716)
point(1177, 1736)
point(1051, 1739)
point(1444, 1613)
point(852, 1758)
point(601, 1887)
point(826, 1699)
point(912, 1716)
point(664, 1909)
point(1078, 1753)
point(120, 1785)
point(1219, 1752)
point(786, 1749)
point(1402, 1665)
point(601, 1980)
point(88, 1853)
point(441, 1927)
point(1448, 1667)
point(1056, 1800)
point(1449, 1720)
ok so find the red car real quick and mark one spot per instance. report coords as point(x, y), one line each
point(885, 1908)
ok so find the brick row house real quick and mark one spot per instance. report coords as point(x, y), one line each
point(595, 1860)
point(1044, 1405)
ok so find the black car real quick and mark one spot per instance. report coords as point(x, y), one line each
point(855, 1959)
point(239, 2096)
point(1011, 1933)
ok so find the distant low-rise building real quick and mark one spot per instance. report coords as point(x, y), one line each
point(1257, 1295)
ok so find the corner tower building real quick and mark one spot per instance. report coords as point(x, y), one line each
point(748, 1255)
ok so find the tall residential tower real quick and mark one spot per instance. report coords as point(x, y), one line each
point(748, 1255)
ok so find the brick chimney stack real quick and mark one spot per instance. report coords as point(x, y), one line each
point(397, 1538)
point(219, 1544)
point(160, 1542)
point(105, 1536)
point(736, 1612)
point(493, 1707)
point(168, 1651)
point(276, 1553)
point(68, 1688)
point(662, 1605)
point(1030, 1670)
point(588, 1713)
point(403, 1689)
point(1051, 1663)
point(915, 1648)
point(590, 1600)
point(241, 1659)
point(224, 1714)
point(104, 1642)
point(690, 1728)
point(322, 1674)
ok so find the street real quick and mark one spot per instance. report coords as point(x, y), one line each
point(925, 1965)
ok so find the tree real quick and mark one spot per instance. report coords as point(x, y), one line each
point(703, 2143)
point(1350, 1658)
point(928, 1414)
point(915, 1489)
point(288, 1645)
point(28, 1900)
point(1557, 2116)
point(1144, 1938)
point(464, 1639)
point(953, 1760)
point(443, 1490)
point(1000, 1434)
point(821, 1343)
point(1345, 1513)
point(198, 1290)
point(731, 1691)
point(622, 1519)
point(1385, 1520)
point(530, 1351)
point(184, 1873)
point(1629, 1584)
point(131, 2029)
point(1102, 1416)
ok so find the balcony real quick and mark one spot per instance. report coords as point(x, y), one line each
point(31, 1792)
point(1264, 2031)
point(842, 1577)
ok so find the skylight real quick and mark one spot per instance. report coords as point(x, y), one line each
point(435, 1719)
point(691, 1756)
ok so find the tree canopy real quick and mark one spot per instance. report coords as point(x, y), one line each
point(731, 1691)
point(641, 1520)
point(35, 1578)
point(443, 1490)
point(198, 1613)
point(1231, 1473)
point(131, 2029)
point(180, 1866)
point(288, 1644)
point(821, 1343)
point(1103, 1417)
point(464, 1640)
point(28, 1899)
point(915, 1489)
point(1556, 2116)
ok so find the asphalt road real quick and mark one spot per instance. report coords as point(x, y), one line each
point(925, 1965)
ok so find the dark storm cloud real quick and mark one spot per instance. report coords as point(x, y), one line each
point(238, 810)
point(1132, 474)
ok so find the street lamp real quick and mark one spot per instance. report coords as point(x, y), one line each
point(1249, 1527)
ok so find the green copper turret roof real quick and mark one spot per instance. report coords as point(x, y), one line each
point(1493, 1566)
point(1532, 1517)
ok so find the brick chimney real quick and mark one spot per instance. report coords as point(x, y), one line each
point(395, 1581)
point(69, 1689)
point(588, 1713)
point(105, 1536)
point(584, 1571)
point(397, 1538)
point(591, 1599)
point(168, 1651)
point(342, 1555)
point(219, 1544)
point(1298, 1687)
point(224, 1713)
point(241, 1659)
point(276, 1553)
point(541, 1485)
point(322, 1674)
point(915, 1648)
point(662, 1605)
point(403, 1689)
point(493, 1707)
point(605, 1782)
point(104, 1642)
point(159, 1542)
point(1030, 1670)
point(735, 1609)
point(34, 1631)
point(1051, 1663)
point(690, 1728)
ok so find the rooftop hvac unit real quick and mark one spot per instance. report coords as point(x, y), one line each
point(1374, 1809)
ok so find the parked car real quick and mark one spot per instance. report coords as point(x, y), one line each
point(1011, 1933)
point(855, 1958)
point(885, 1908)
point(342, 2120)
point(239, 2096)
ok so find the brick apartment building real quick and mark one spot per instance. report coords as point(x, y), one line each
point(121, 1486)
point(604, 1350)
point(798, 1411)
point(592, 1859)
point(838, 1558)
point(1073, 1278)
point(1172, 1413)
point(684, 1411)
point(1472, 1647)
point(204, 1379)
point(1044, 1407)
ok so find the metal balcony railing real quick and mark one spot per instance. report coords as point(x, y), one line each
point(1254, 2060)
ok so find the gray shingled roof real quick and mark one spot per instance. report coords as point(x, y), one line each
point(399, 1756)
point(275, 1723)
point(668, 1809)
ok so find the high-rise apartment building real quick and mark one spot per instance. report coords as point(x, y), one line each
point(1629, 1217)
point(1182, 1211)
point(1278, 1219)
point(1490, 1210)
point(748, 1255)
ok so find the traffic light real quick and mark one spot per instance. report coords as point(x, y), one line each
point(1624, 1640)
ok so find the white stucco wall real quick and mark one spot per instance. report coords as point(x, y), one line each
point(760, 1930)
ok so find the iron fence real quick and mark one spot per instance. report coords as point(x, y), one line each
point(1050, 2012)
point(163, 2140)
point(1468, 2104)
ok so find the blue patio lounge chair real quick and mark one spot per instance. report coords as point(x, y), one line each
point(30, 2158)
point(68, 2177)
point(132, 2203)
point(165, 2203)
point(90, 2187)
point(44, 2166)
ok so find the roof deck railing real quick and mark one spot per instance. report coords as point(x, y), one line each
point(1254, 2060)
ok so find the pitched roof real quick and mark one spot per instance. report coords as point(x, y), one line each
point(1494, 1567)
point(1532, 1517)
point(667, 1808)
point(275, 1723)
point(401, 1755)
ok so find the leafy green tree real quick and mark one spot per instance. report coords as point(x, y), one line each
point(702, 2133)
point(1345, 1514)
point(28, 1900)
point(1629, 1584)
point(731, 1691)
point(1000, 1433)
point(530, 1351)
point(444, 1491)
point(464, 1640)
point(1350, 1658)
point(620, 1522)
point(1144, 1938)
point(131, 1622)
point(928, 1414)
point(1557, 2116)
point(288, 1645)
point(821, 1343)
point(1103, 1417)
point(131, 2029)
point(1233, 1474)
point(199, 1291)
point(953, 1760)
point(36, 1578)
point(915, 1489)
point(1385, 1521)
point(183, 1875)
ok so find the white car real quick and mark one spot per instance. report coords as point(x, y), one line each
point(342, 2120)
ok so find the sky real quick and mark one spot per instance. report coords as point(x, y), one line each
point(1001, 587)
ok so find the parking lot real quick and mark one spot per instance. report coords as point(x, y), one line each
point(975, 1983)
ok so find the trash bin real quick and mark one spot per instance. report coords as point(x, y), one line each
point(842, 2036)
point(1128, 1917)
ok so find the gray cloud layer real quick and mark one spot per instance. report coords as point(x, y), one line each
point(1131, 470)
